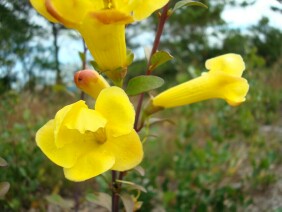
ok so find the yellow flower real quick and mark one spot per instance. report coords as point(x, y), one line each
point(90, 82)
point(101, 24)
point(88, 142)
point(222, 81)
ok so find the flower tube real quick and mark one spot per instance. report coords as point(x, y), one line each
point(222, 81)
point(102, 25)
point(87, 142)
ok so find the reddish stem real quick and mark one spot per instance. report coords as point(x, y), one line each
point(115, 198)
point(162, 19)
point(82, 94)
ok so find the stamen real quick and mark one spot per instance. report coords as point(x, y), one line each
point(100, 135)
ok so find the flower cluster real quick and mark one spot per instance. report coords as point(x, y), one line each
point(87, 142)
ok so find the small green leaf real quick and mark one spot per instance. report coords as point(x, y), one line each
point(143, 84)
point(4, 188)
point(95, 65)
point(82, 57)
point(128, 202)
point(3, 162)
point(58, 200)
point(129, 56)
point(101, 199)
point(159, 58)
point(188, 3)
point(132, 186)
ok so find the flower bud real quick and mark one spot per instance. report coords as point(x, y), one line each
point(90, 82)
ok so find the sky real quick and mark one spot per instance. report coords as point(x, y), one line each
point(243, 17)
point(236, 17)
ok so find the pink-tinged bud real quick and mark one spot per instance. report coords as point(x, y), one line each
point(90, 82)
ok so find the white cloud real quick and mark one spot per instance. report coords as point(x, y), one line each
point(243, 17)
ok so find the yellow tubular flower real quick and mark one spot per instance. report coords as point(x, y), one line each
point(90, 82)
point(101, 24)
point(222, 81)
point(88, 142)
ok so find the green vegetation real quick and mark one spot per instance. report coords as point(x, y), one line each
point(208, 157)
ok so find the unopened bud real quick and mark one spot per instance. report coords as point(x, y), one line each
point(90, 82)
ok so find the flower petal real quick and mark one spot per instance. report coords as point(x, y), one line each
point(127, 149)
point(94, 162)
point(65, 156)
point(106, 43)
point(85, 120)
point(114, 105)
point(232, 64)
point(39, 5)
point(126, 6)
point(76, 116)
point(146, 7)
point(63, 116)
point(112, 16)
point(72, 12)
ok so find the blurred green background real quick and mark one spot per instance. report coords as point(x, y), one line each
point(206, 157)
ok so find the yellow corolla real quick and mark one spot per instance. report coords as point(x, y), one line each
point(90, 82)
point(88, 142)
point(101, 24)
point(222, 81)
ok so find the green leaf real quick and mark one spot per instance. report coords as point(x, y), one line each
point(95, 66)
point(82, 57)
point(127, 201)
point(3, 162)
point(101, 199)
point(58, 200)
point(188, 3)
point(159, 58)
point(143, 84)
point(4, 188)
point(129, 56)
point(132, 186)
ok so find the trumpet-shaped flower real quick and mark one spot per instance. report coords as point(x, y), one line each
point(88, 142)
point(90, 82)
point(101, 24)
point(222, 81)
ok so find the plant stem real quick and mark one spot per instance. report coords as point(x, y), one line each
point(162, 19)
point(114, 192)
point(82, 94)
